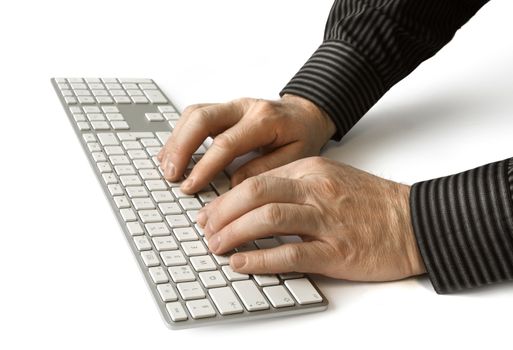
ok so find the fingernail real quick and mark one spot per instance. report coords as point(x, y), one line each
point(237, 261)
point(213, 242)
point(201, 218)
point(169, 169)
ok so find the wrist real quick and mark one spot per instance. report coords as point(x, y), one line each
point(320, 115)
point(414, 258)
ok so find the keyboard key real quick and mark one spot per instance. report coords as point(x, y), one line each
point(108, 177)
point(162, 196)
point(113, 117)
point(278, 296)
point(108, 139)
point(190, 203)
point(154, 96)
point(176, 311)
point(200, 308)
point(122, 202)
point(192, 215)
point(152, 117)
point(194, 248)
point(128, 214)
point(267, 243)
point(130, 180)
point(173, 258)
point(124, 170)
point(142, 203)
point(140, 154)
point(225, 301)
point(114, 150)
point(134, 228)
point(142, 243)
point(221, 183)
point(105, 167)
point(222, 259)
point(143, 164)
point(110, 109)
point(181, 274)
point(212, 279)
point(232, 275)
point(177, 221)
point(177, 192)
point(115, 190)
point(98, 125)
point(136, 191)
point(250, 295)
point(290, 275)
point(185, 234)
point(150, 258)
point(202, 263)
point(165, 243)
point(120, 125)
point(190, 290)
point(157, 229)
point(266, 280)
point(170, 208)
point(149, 216)
point(155, 185)
point(139, 99)
point(207, 197)
point(167, 292)
point(303, 291)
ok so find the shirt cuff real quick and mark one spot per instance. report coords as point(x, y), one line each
point(339, 80)
point(464, 226)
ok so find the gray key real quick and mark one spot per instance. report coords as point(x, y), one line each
point(176, 311)
point(165, 243)
point(194, 248)
point(212, 279)
point(278, 296)
point(303, 291)
point(142, 243)
point(250, 295)
point(181, 274)
point(167, 292)
point(157, 229)
point(202, 263)
point(225, 300)
point(200, 308)
point(158, 275)
point(173, 258)
point(190, 290)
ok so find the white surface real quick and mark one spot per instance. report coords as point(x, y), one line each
point(68, 279)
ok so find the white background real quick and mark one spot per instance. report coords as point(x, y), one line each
point(68, 279)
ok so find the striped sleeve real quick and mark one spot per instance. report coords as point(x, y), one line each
point(464, 226)
point(370, 45)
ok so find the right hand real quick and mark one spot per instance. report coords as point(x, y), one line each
point(284, 130)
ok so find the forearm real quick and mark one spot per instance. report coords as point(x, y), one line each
point(464, 226)
point(371, 45)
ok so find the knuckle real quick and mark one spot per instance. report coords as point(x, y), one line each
point(274, 214)
point(255, 186)
point(317, 161)
point(200, 115)
point(225, 142)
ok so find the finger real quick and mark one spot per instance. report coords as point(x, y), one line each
point(237, 140)
point(300, 257)
point(269, 219)
point(266, 162)
point(187, 111)
point(249, 195)
point(192, 131)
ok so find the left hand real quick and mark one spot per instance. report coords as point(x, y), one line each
point(354, 225)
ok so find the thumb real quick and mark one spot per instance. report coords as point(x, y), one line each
point(299, 257)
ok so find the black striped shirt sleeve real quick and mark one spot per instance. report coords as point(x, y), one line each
point(463, 223)
point(370, 45)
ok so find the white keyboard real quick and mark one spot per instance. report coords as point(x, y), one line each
point(122, 124)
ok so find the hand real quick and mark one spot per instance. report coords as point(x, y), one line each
point(355, 226)
point(284, 130)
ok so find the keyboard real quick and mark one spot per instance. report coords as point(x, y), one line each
point(122, 124)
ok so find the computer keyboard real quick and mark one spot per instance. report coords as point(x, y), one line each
point(122, 124)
